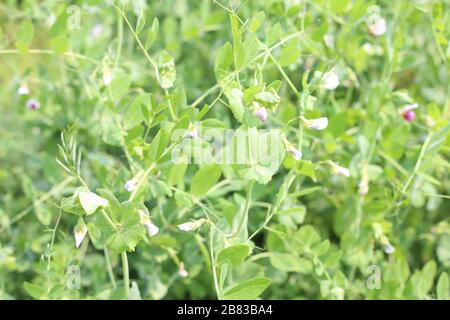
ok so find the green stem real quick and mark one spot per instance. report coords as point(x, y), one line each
point(109, 267)
point(126, 274)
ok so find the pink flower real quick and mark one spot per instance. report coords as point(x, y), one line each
point(33, 104)
point(407, 112)
point(96, 30)
point(261, 114)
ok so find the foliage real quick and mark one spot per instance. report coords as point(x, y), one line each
point(349, 200)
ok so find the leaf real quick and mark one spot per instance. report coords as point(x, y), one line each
point(443, 288)
point(134, 114)
point(233, 255)
point(257, 21)
point(59, 44)
point(152, 33)
point(90, 202)
point(25, 32)
point(158, 144)
point(235, 100)
point(239, 55)
point(247, 290)
point(129, 232)
point(34, 290)
point(223, 61)
point(258, 155)
point(289, 262)
point(140, 24)
point(273, 35)
point(289, 55)
point(119, 87)
point(205, 178)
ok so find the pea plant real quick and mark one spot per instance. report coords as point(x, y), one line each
point(180, 149)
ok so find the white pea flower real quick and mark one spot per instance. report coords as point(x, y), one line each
point(388, 248)
point(192, 132)
point(328, 39)
point(363, 187)
point(295, 153)
point(378, 27)
point(152, 229)
point(80, 232)
point(130, 185)
point(261, 113)
point(191, 226)
point(23, 90)
point(330, 80)
point(316, 124)
point(107, 76)
point(339, 170)
point(182, 272)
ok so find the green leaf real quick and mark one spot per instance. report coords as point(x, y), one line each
point(273, 35)
point(119, 87)
point(91, 201)
point(140, 24)
point(152, 33)
point(289, 262)
point(59, 44)
point(247, 290)
point(258, 154)
point(25, 32)
point(443, 287)
point(129, 231)
point(235, 100)
point(289, 55)
point(223, 61)
point(257, 21)
point(158, 144)
point(233, 255)
point(34, 290)
point(205, 178)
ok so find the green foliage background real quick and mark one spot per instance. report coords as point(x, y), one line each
point(307, 233)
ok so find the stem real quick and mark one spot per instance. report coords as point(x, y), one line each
point(50, 52)
point(213, 262)
point(150, 60)
point(109, 267)
point(126, 274)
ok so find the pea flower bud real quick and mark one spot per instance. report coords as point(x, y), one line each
point(388, 248)
point(295, 153)
point(191, 226)
point(407, 112)
point(192, 132)
point(363, 187)
point(182, 272)
point(339, 170)
point(378, 27)
point(330, 80)
point(33, 104)
point(23, 90)
point(80, 232)
point(130, 185)
point(316, 124)
point(261, 113)
point(152, 229)
point(107, 76)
